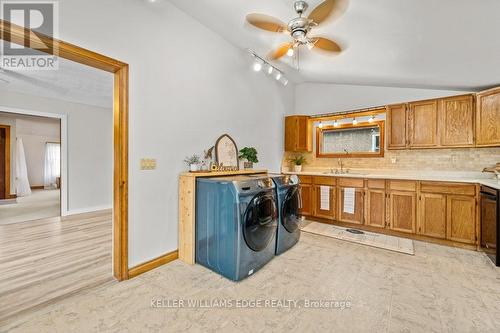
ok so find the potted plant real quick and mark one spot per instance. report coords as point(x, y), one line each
point(250, 155)
point(193, 162)
point(298, 161)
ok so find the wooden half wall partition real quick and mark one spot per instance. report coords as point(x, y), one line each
point(28, 38)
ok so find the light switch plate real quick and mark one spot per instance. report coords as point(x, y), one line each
point(148, 164)
point(393, 160)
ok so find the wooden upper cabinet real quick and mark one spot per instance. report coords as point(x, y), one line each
point(396, 127)
point(402, 208)
point(461, 218)
point(422, 124)
point(456, 121)
point(488, 118)
point(432, 218)
point(298, 134)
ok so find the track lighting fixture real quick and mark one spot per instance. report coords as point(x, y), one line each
point(336, 123)
point(320, 125)
point(372, 119)
point(354, 121)
point(259, 64)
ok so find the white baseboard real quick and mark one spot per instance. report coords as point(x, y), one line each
point(86, 210)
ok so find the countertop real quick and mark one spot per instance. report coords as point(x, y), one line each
point(441, 176)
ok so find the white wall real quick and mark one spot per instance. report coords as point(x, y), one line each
point(36, 132)
point(90, 148)
point(187, 87)
point(318, 98)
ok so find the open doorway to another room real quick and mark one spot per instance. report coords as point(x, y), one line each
point(30, 165)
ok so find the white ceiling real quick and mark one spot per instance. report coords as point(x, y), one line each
point(448, 44)
point(72, 82)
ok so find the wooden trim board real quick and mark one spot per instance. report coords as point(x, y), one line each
point(24, 36)
point(152, 264)
point(187, 207)
point(8, 195)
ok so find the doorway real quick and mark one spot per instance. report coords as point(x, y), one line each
point(27, 38)
point(32, 158)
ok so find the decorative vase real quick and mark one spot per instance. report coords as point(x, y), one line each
point(297, 168)
point(193, 167)
point(248, 165)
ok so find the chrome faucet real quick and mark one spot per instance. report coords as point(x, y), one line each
point(341, 165)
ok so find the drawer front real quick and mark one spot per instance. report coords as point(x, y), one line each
point(448, 188)
point(305, 179)
point(376, 183)
point(324, 180)
point(403, 185)
point(351, 182)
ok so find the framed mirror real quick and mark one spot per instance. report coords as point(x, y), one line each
point(348, 140)
point(226, 152)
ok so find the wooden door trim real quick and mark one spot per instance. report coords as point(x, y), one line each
point(7, 161)
point(24, 36)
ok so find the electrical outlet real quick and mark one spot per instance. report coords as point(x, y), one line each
point(454, 158)
point(148, 163)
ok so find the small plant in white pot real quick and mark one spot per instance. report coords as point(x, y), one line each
point(250, 155)
point(298, 161)
point(193, 162)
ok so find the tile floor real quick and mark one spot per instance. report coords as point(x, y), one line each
point(440, 289)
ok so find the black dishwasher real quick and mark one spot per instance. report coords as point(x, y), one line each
point(490, 223)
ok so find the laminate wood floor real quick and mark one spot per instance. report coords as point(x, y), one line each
point(43, 261)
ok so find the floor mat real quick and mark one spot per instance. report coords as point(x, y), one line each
point(386, 242)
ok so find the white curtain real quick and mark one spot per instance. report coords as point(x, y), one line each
point(21, 171)
point(52, 166)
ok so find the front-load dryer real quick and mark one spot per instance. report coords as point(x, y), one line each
point(289, 204)
point(236, 223)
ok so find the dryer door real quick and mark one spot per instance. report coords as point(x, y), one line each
point(260, 221)
point(290, 216)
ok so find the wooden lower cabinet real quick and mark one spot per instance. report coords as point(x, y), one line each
point(375, 208)
point(432, 219)
point(444, 211)
point(307, 196)
point(324, 202)
point(402, 209)
point(358, 216)
point(460, 218)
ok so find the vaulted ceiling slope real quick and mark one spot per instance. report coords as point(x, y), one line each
point(448, 44)
point(71, 82)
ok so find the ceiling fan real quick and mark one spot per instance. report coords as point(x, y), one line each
point(299, 28)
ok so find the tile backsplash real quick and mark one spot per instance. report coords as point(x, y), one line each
point(459, 159)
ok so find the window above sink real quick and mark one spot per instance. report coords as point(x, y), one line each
point(351, 140)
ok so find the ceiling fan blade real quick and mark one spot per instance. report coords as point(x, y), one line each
point(327, 9)
point(326, 45)
point(280, 51)
point(266, 22)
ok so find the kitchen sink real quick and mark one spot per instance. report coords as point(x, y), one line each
point(350, 173)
